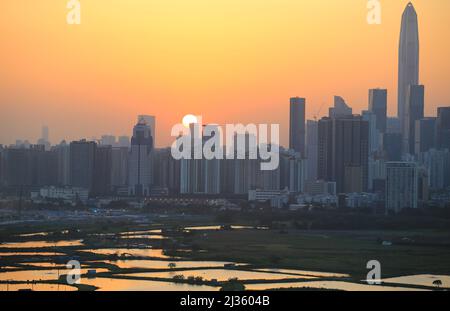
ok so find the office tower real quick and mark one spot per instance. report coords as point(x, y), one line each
point(401, 186)
point(312, 128)
point(408, 59)
point(414, 111)
point(374, 133)
point(140, 166)
point(119, 167)
point(378, 106)
point(124, 141)
point(200, 176)
point(297, 125)
point(151, 121)
point(102, 170)
point(343, 152)
point(437, 164)
point(108, 140)
point(392, 146)
point(82, 161)
point(293, 170)
point(425, 135)
point(443, 128)
point(393, 125)
point(63, 159)
point(340, 109)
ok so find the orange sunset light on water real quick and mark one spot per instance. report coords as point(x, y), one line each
point(227, 60)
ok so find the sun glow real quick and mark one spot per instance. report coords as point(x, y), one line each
point(189, 119)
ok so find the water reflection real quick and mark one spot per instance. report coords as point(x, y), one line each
point(110, 284)
point(308, 273)
point(331, 285)
point(39, 275)
point(161, 264)
point(132, 252)
point(221, 275)
point(41, 244)
point(30, 254)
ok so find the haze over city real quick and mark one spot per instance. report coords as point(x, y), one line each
point(227, 61)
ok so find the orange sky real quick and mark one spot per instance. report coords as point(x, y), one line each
point(228, 60)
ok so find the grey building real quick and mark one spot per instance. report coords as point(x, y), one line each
point(312, 141)
point(443, 128)
point(344, 152)
point(297, 125)
point(102, 170)
point(140, 160)
point(340, 108)
point(408, 59)
point(425, 135)
point(82, 162)
point(401, 186)
point(378, 106)
point(414, 111)
point(119, 167)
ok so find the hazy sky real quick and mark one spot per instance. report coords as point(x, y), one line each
point(228, 60)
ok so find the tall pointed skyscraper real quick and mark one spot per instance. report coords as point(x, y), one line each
point(408, 58)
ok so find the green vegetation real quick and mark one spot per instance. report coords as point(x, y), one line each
point(232, 285)
point(339, 252)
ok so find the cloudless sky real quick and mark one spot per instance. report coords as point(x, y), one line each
point(228, 60)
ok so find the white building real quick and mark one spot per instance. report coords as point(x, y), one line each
point(66, 194)
point(266, 195)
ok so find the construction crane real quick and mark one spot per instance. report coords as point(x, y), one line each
point(318, 111)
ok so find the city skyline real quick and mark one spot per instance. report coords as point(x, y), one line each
point(224, 146)
point(101, 112)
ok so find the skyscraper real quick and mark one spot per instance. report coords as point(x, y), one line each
point(140, 166)
point(443, 128)
point(151, 121)
point(297, 125)
point(119, 167)
point(311, 148)
point(408, 58)
point(340, 109)
point(414, 111)
point(63, 154)
point(344, 152)
point(199, 176)
point(378, 106)
point(102, 170)
point(82, 161)
point(425, 133)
